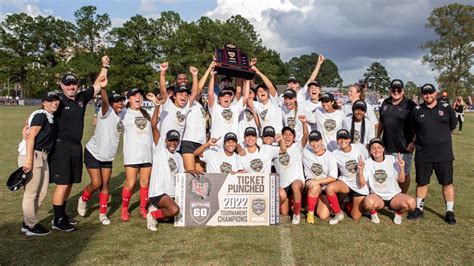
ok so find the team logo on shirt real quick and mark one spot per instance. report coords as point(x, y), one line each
point(80, 104)
point(380, 176)
point(248, 115)
point(256, 165)
point(317, 169)
point(180, 116)
point(263, 114)
point(291, 122)
point(284, 159)
point(227, 114)
point(329, 124)
point(120, 127)
point(200, 187)
point(172, 164)
point(356, 136)
point(258, 206)
point(441, 113)
point(351, 166)
point(140, 122)
point(203, 112)
point(226, 168)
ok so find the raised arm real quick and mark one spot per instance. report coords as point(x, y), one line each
point(281, 141)
point(238, 88)
point(271, 89)
point(360, 172)
point(163, 68)
point(246, 92)
point(401, 170)
point(304, 139)
point(199, 151)
point(210, 90)
point(156, 115)
point(317, 67)
point(103, 94)
point(194, 90)
point(105, 61)
point(204, 77)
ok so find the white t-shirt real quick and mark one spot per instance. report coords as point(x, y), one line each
point(225, 120)
point(290, 119)
point(269, 115)
point(328, 124)
point(369, 129)
point(104, 143)
point(348, 164)
point(310, 108)
point(261, 160)
point(370, 114)
point(319, 167)
point(137, 138)
point(383, 177)
point(172, 117)
point(246, 119)
point(218, 162)
point(289, 165)
point(165, 166)
point(195, 128)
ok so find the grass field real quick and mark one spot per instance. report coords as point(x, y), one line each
point(429, 241)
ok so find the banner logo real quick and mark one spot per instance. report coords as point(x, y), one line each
point(258, 206)
point(200, 211)
point(200, 187)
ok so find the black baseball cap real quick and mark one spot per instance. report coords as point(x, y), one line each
point(315, 136)
point(17, 179)
point(326, 97)
point(396, 83)
point(263, 86)
point(115, 97)
point(250, 131)
point(292, 79)
point(315, 83)
point(226, 78)
point(376, 140)
point(172, 135)
point(134, 91)
point(178, 89)
point(428, 88)
point(50, 96)
point(288, 128)
point(289, 93)
point(69, 79)
point(268, 131)
point(343, 134)
point(225, 91)
point(359, 104)
point(230, 136)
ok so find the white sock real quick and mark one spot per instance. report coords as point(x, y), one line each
point(449, 206)
point(419, 203)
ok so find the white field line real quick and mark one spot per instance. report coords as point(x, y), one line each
point(285, 245)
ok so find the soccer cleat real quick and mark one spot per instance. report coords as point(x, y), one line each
point(38, 230)
point(415, 215)
point(150, 220)
point(336, 219)
point(81, 207)
point(296, 219)
point(104, 219)
point(449, 218)
point(310, 218)
point(24, 227)
point(143, 213)
point(125, 214)
point(397, 219)
point(375, 218)
point(63, 225)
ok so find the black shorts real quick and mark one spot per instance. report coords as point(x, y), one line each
point(91, 162)
point(156, 200)
point(353, 194)
point(66, 163)
point(139, 165)
point(289, 191)
point(443, 171)
point(387, 202)
point(189, 146)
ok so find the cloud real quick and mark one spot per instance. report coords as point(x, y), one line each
point(25, 6)
point(151, 6)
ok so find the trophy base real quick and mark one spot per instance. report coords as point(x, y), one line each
point(234, 71)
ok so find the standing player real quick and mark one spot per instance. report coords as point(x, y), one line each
point(329, 120)
point(320, 168)
point(356, 92)
point(137, 151)
point(433, 122)
point(459, 107)
point(220, 160)
point(395, 124)
point(290, 111)
point(290, 168)
point(347, 157)
point(362, 130)
point(382, 173)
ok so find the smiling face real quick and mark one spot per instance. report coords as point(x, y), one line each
point(292, 85)
point(429, 98)
point(343, 143)
point(182, 80)
point(327, 106)
point(136, 101)
point(316, 145)
point(397, 93)
point(117, 106)
point(262, 95)
point(230, 145)
point(51, 106)
point(70, 90)
point(250, 140)
point(377, 150)
point(290, 103)
point(181, 98)
point(314, 92)
point(268, 140)
point(359, 114)
point(171, 145)
point(354, 93)
point(288, 137)
point(225, 100)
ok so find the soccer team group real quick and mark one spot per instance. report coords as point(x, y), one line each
point(341, 156)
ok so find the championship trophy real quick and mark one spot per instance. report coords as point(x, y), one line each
point(230, 61)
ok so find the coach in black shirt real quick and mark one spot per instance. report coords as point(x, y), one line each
point(395, 124)
point(433, 122)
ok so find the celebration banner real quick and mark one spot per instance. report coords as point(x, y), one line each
point(227, 200)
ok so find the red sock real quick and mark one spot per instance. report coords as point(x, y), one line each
point(349, 207)
point(86, 195)
point(143, 197)
point(103, 200)
point(373, 212)
point(126, 195)
point(296, 207)
point(158, 214)
point(334, 203)
point(312, 202)
point(398, 212)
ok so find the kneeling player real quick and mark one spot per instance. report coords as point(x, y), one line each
point(167, 163)
point(320, 169)
point(382, 173)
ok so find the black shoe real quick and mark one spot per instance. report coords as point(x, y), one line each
point(415, 215)
point(38, 230)
point(24, 227)
point(449, 218)
point(63, 225)
point(72, 220)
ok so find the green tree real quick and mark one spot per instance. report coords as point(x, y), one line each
point(452, 53)
point(302, 66)
point(377, 77)
point(90, 27)
point(411, 89)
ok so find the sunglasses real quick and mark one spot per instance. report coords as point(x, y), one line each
point(396, 90)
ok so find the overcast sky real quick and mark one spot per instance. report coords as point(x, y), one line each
point(351, 33)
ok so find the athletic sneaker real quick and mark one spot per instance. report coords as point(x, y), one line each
point(296, 219)
point(69, 219)
point(415, 215)
point(63, 225)
point(24, 227)
point(449, 218)
point(150, 221)
point(397, 219)
point(81, 207)
point(104, 219)
point(310, 218)
point(375, 218)
point(125, 214)
point(339, 217)
point(38, 230)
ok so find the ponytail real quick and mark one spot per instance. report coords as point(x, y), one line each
point(362, 129)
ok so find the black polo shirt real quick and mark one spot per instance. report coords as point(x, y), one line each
point(397, 129)
point(46, 137)
point(70, 116)
point(433, 128)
